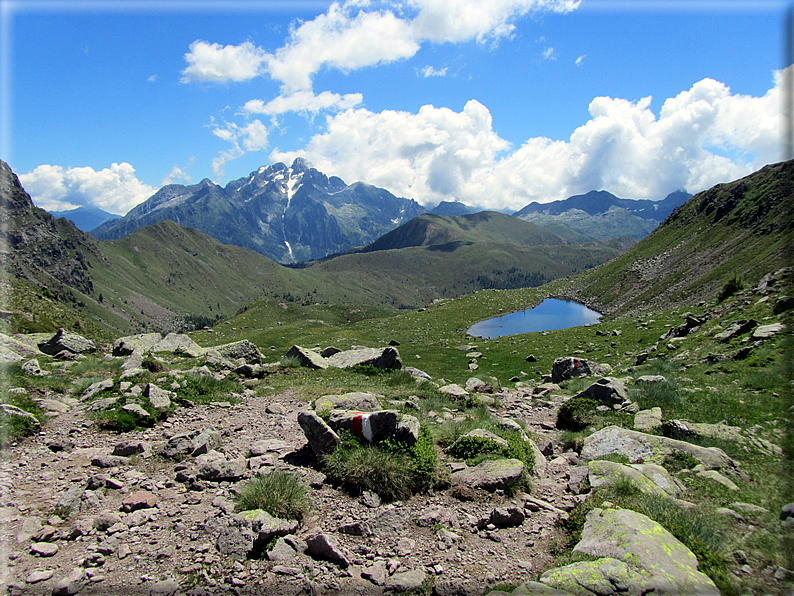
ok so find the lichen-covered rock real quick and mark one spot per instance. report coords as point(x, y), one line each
point(179, 343)
point(569, 367)
point(631, 537)
point(648, 478)
point(603, 577)
point(240, 349)
point(135, 344)
point(647, 420)
point(653, 449)
point(355, 400)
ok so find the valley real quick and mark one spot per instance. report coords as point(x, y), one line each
point(671, 417)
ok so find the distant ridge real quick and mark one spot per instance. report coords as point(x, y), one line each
point(451, 208)
point(599, 214)
point(86, 218)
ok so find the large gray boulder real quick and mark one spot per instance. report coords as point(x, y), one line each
point(608, 391)
point(194, 443)
point(306, 357)
point(135, 344)
point(631, 537)
point(69, 341)
point(179, 343)
point(570, 367)
point(386, 358)
point(638, 446)
point(11, 349)
point(240, 349)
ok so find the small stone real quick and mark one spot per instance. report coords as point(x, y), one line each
point(39, 576)
point(44, 549)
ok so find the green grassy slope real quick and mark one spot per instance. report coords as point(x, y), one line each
point(740, 228)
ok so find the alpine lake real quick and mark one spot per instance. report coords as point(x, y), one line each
point(549, 315)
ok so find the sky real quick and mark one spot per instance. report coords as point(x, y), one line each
point(495, 103)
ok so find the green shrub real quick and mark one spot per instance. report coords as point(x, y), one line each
point(649, 395)
point(679, 460)
point(281, 494)
point(477, 449)
point(577, 413)
point(400, 377)
point(205, 388)
point(371, 468)
point(290, 362)
point(731, 287)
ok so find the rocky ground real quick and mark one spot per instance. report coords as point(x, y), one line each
point(166, 543)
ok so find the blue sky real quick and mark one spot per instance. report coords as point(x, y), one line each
point(495, 103)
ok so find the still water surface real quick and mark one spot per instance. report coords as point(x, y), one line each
point(548, 315)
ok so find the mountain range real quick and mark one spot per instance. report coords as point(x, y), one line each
point(296, 213)
point(288, 214)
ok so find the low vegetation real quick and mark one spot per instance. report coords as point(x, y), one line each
point(281, 494)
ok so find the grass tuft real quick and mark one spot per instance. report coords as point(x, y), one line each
point(281, 494)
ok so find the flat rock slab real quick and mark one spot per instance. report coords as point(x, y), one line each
point(66, 340)
point(322, 439)
point(389, 522)
point(490, 475)
point(653, 449)
point(306, 357)
point(355, 400)
point(646, 420)
point(649, 478)
point(179, 343)
point(387, 358)
point(132, 344)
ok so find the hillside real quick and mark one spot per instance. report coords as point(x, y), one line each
point(739, 228)
point(288, 214)
point(485, 226)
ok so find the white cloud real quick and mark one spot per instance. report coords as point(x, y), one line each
point(253, 136)
point(455, 21)
point(152, 78)
point(580, 60)
point(178, 174)
point(549, 54)
point(701, 137)
point(115, 189)
point(214, 63)
point(303, 101)
point(429, 71)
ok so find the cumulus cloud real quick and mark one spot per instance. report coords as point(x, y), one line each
point(251, 137)
point(214, 63)
point(347, 37)
point(702, 136)
point(115, 189)
point(304, 102)
point(178, 174)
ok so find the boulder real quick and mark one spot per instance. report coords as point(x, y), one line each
point(386, 358)
point(356, 400)
point(135, 344)
point(407, 430)
point(453, 390)
point(406, 581)
point(67, 340)
point(325, 546)
point(322, 440)
point(32, 369)
point(159, 398)
point(306, 357)
point(194, 443)
point(765, 331)
point(215, 467)
point(649, 380)
point(783, 304)
point(14, 350)
point(608, 391)
point(490, 475)
point(682, 429)
point(95, 388)
point(19, 413)
point(653, 449)
point(373, 427)
point(240, 349)
point(179, 343)
point(475, 385)
point(569, 367)
point(737, 329)
point(669, 566)
point(605, 577)
point(507, 517)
